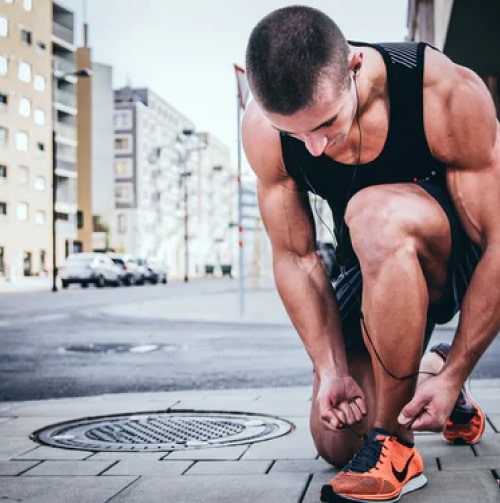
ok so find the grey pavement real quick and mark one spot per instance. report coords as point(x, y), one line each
point(284, 469)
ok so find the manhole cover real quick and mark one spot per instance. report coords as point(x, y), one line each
point(116, 348)
point(162, 431)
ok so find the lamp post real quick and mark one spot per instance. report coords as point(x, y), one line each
point(184, 176)
point(184, 156)
point(84, 72)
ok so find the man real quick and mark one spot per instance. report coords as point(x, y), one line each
point(404, 146)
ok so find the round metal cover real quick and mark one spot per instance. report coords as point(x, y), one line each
point(162, 431)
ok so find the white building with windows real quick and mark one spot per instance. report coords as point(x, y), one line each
point(174, 190)
point(25, 137)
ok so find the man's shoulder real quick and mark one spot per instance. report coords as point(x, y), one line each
point(261, 143)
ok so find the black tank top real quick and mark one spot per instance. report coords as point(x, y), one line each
point(405, 156)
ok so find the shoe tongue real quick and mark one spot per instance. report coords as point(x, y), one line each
point(377, 433)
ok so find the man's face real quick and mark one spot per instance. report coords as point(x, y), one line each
point(322, 125)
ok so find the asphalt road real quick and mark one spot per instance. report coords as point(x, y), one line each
point(63, 345)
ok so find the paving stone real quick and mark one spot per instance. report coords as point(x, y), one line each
point(489, 445)
point(228, 468)
point(460, 487)
point(280, 488)
point(302, 466)
point(144, 456)
point(44, 452)
point(15, 467)
point(15, 446)
point(457, 464)
point(314, 490)
point(211, 453)
point(495, 420)
point(150, 468)
point(296, 445)
point(69, 468)
point(62, 489)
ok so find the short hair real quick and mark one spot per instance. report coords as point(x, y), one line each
point(288, 52)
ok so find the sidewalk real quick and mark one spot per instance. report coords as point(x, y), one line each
point(284, 469)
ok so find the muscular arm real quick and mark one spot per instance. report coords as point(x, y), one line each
point(300, 277)
point(463, 131)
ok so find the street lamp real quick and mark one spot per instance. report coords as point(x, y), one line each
point(84, 72)
point(184, 176)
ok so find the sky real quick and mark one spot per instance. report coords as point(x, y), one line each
point(184, 50)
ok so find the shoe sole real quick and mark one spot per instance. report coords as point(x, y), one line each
point(328, 496)
point(456, 438)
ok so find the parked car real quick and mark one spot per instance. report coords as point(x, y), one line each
point(87, 268)
point(130, 271)
point(153, 271)
point(326, 251)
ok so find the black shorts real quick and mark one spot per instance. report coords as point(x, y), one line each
point(464, 257)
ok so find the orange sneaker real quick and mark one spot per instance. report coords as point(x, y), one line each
point(467, 420)
point(383, 470)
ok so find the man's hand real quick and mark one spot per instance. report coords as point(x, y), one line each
point(431, 405)
point(340, 402)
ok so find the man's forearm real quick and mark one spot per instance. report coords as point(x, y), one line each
point(310, 302)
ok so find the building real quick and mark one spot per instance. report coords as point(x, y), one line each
point(64, 123)
point(102, 201)
point(148, 173)
point(466, 31)
point(25, 137)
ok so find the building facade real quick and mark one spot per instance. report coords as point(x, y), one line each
point(25, 137)
point(65, 127)
point(174, 188)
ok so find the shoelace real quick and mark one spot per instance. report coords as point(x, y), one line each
point(367, 456)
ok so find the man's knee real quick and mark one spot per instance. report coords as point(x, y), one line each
point(379, 227)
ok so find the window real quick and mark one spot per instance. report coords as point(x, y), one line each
point(26, 36)
point(4, 26)
point(40, 183)
point(123, 168)
point(39, 116)
point(123, 119)
point(40, 217)
point(22, 141)
point(3, 64)
point(22, 211)
point(3, 172)
point(2, 264)
point(123, 143)
point(40, 148)
point(24, 73)
point(23, 175)
point(122, 223)
point(3, 208)
point(28, 5)
point(123, 193)
point(24, 106)
point(4, 100)
point(9, 1)
point(4, 136)
point(39, 82)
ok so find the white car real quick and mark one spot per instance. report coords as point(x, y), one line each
point(86, 268)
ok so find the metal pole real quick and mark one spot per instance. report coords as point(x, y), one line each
point(186, 228)
point(54, 185)
point(240, 217)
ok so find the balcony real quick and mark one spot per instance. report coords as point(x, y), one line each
point(62, 32)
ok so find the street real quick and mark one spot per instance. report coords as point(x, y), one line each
point(79, 342)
